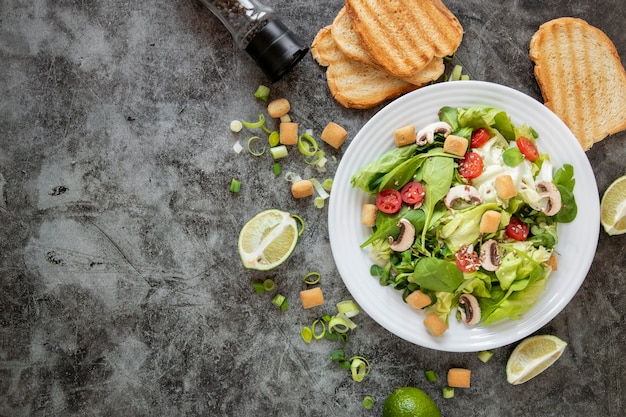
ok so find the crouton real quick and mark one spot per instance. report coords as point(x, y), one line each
point(456, 145)
point(418, 300)
point(302, 188)
point(505, 187)
point(404, 136)
point(334, 135)
point(278, 108)
point(368, 214)
point(288, 133)
point(459, 377)
point(312, 298)
point(435, 325)
point(490, 221)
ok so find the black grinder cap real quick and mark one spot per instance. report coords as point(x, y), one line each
point(276, 49)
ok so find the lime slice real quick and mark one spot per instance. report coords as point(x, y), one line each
point(267, 240)
point(613, 207)
point(533, 356)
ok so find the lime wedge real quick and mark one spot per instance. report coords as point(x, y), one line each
point(267, 240)
point(533, 356)
point(613, 207)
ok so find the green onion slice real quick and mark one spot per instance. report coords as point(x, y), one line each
point(348, 308)
point(255, 125)
point(278, 300)
point(368, 402)
point(269, 284)
point(318, 323)
point(485, 355)
point(258, 287)
point(312, 278)
point(359, 368)
point(431, 376)
point(307, 145)
point(278, 152)
point(235, 186)
point(448, 392)
point(307, 334)
point(274, 138)
point(236, 126)
point(277, 168)
point(327, 184)
point(262, 93)
point(255, 153)
point(340, 324)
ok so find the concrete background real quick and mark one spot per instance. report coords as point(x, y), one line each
point(121, 291)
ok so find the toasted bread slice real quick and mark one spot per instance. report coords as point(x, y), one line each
point(403, 36)
point(581, 78)
point(352, 83)
point(349, 43)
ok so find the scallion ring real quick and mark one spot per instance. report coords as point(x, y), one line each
point(257, 153)
point(318, 323)
point(307, 145)
point(312, 278)
point(359, 368)
point(307, 334)
point(255, 125)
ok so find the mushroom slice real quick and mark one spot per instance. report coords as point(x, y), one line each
point(490, 255)
point(405, 238)
point(550, 197)
point(469, 308)
point(427, 134)
point(464, 193)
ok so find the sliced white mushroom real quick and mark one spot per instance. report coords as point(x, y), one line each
point(490, 255)
point(405, 238)
point(550, 202)
point(427, 134)
point(469, 309)
point(462, 193)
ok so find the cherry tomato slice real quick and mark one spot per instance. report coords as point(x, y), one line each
point(471, 166)
point(527, 148)
point(412, 193)
point(389, 201)
point(467, 259)
point(517, 229)
point(480, 136)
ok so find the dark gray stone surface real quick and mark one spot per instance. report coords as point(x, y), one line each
point(121, 292)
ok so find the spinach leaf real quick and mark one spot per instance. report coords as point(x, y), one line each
point(512, 157)
point(386, 224)
point(401, 174)
point(437, 174)
point(437, 275)
point(368, 177)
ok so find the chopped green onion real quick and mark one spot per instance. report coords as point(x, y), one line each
point(274, 138)
point(312, 281)
point(456, 73)
point(237, 147)
point(485, 355)
point(285, 118)
point(301, 221)
point(359, 368)
point(307, 334)
point(368, 402)
point(307, 145)
point(318, 323)
point(430, 376)
point(278, 300)
point(258, 287)
point(327, 184)
point(255, 153)
point(338, 355)
point(269, 284)
point(340, 324)
point(448, 392)
point(277, 168)
point(284, 305)
point(465, 77)
point(236, 126)
point(319, 202)
point(279, 151)
point(321, 164)
point(235, 186)
point(262, 93)
point(348, 308)
point(326, 318)
point(316, 158)
point(255, 125)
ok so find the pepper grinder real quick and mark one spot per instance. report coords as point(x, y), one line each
point(254, 28)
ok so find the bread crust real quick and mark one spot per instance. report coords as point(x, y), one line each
point(403, 36)
point(581, 78)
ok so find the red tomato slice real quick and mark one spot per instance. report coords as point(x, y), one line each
point(412, 193)
point(467, 259)
point(480, 136)
point(517, 229)
point(527, 148)
point(389, 201)
point(471, 166)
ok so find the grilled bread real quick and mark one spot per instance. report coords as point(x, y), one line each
point(352, 83)
point(348, 42)
point(581, 78)
point(403, 36)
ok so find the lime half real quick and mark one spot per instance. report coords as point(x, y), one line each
point(267, 240)
point(613, 207)
point(533, 356)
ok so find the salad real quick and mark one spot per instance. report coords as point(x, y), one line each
point(466, 216)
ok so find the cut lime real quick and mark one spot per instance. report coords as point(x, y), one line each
point(533, 356)
point(267, 240)
point(613, 207)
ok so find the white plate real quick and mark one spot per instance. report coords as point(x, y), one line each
point(577, 240)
